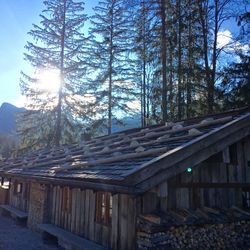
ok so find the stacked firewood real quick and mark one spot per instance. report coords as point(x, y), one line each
point(152, 234)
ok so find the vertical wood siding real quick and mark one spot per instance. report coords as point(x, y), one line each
point(231, 166)
point(20, 200)
point(74, 210)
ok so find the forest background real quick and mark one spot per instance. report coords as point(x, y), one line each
point(160, 59)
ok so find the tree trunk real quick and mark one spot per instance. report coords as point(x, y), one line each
point(179, 61)
point(58, 133)
point(171, 95)
point(110, 75)
point(203, 13)
point(214, 59)
point(190, 67)
point(163, 60)
point(144, 68)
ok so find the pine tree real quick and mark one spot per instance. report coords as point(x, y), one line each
point(144, 20)
point(57, 42)
point(109, 55)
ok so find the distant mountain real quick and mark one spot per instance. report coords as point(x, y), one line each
point(128, 123)
point(8, 118)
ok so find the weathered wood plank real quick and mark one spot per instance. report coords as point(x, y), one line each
point(57, 206)
point(87, 211)
point(162, 131)
point(48, 201)
point(123, 226)
point(225, 135)
point(150, 202)
point(224, 179)
point(67, 205)
point(184, 192)
point(105, 235)
point(231, 178)
point(98, 233)
point(71, 239)
point(115, 222)
point(179, 163)
point(241, 162)
point(247, 159)
point(226, 155)
point(15, 212)
point(69, 214)
point(82, 218)
point(115, 159)
point(163, 190)
point(60, 207)
point(172, 193)
point(73, 211)
point(131, 220)
point(53, 213)
point(114, 187)
point(78, 202)
point(92, 207)
point(63, 207)
point(211, 185)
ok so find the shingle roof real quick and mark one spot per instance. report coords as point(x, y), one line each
point(122, 158)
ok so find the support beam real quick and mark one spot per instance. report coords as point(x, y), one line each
point(210, 185)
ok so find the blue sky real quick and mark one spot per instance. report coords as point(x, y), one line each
point(16, 18)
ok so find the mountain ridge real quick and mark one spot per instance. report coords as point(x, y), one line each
point(8, 118)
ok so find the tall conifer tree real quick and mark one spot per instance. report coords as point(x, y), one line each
point(109, 55)
point(57, 43)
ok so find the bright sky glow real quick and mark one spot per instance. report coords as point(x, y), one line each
point(49, 83)
point(17, 17)
point(49, 80)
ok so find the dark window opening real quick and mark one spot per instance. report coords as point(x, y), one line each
point(103, 208)
point(233, 154)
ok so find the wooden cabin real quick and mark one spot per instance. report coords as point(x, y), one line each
point(99, 192)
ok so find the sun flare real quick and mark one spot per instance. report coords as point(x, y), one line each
point(49, 80)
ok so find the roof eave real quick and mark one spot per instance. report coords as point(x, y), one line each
point(176, 161)
point(99, 185)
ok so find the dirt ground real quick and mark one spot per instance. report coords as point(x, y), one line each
point(17, 237)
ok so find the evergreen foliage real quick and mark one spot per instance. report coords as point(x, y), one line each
point(109, 48)
point(163, 54)
point(56, 46)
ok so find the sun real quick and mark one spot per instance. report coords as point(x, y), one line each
point(49, 80)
